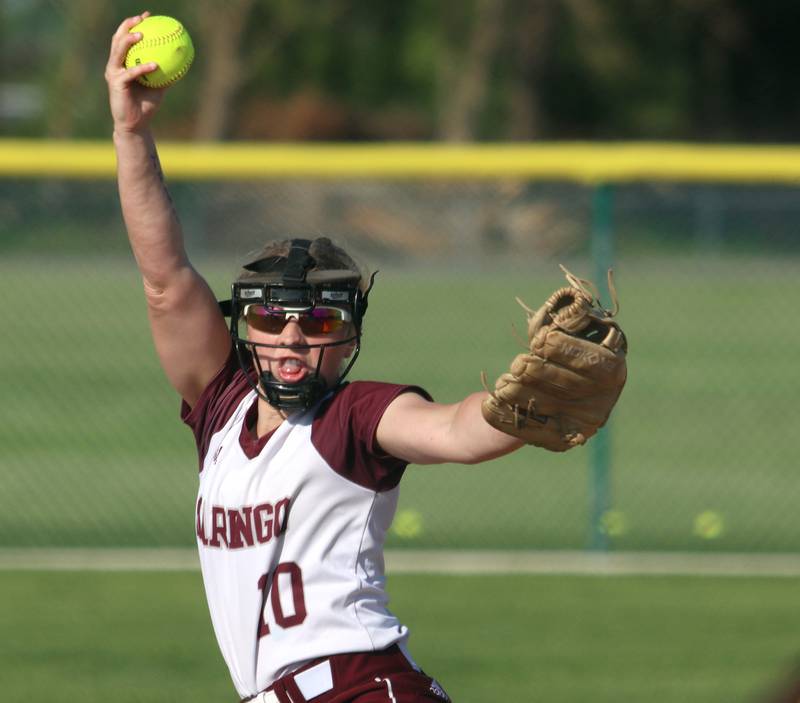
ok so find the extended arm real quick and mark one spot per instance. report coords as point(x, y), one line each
point(188, 329)
point(556, 395)
point(422, 432)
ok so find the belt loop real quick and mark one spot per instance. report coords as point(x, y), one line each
point(310, 683)
point(293, 693)
point(314, 680)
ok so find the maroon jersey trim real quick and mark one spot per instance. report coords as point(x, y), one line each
point(216, 404)
point(250, 443)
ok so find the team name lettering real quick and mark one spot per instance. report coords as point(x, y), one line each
point(238, 528)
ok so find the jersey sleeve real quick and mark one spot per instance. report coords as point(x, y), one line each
point(343, 432)
point(216, 404)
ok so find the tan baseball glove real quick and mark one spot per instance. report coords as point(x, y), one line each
point(560, 392)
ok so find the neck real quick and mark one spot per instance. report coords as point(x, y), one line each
point(269, 418)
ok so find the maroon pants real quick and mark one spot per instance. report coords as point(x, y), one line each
point(368, 677)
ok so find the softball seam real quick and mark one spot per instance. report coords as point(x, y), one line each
point(151, 42)
point(162, 39)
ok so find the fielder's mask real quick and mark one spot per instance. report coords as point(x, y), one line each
point(284, 285)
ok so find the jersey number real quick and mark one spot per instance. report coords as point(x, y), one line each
point(269, 587)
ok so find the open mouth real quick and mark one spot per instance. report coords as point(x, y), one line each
point(291, 370)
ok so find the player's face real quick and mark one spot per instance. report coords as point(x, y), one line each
point(289, 362)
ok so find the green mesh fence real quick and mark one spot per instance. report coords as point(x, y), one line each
point(701, 451)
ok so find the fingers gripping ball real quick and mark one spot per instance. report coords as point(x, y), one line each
point(166, 42)
point(562, 390)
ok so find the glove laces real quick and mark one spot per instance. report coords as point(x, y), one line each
point(591, 290)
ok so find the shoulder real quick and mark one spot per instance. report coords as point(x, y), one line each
point(344, 432)
point(360, 405)
point(372, 395)
point(217, 403)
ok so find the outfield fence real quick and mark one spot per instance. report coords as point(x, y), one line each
point(699, 456)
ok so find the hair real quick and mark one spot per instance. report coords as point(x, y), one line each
point(329, 257)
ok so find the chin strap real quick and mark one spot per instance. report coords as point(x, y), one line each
point(291, 397)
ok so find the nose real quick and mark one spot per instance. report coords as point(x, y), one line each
point(291, 333)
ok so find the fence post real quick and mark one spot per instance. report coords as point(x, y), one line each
point(602, 251)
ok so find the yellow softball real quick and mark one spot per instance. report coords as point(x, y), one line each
point(166, 42)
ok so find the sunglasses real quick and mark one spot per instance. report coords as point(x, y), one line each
point(317, 321)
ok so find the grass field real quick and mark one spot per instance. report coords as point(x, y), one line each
point(93, 452)
point(93, 455)
point(146, 637)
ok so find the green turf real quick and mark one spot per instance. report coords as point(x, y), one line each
point(93, 452)
point(146, 637)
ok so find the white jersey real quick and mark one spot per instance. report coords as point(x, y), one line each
point(290, 528)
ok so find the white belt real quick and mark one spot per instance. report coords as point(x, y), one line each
point(312, 682)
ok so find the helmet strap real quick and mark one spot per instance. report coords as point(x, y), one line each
point(291, 397)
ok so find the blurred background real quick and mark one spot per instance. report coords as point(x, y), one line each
point(700, 457)
point(507, 70)
point(699, 454)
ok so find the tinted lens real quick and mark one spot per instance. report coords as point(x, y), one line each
point(323, 320)
point(320, 320)
point(261, 319)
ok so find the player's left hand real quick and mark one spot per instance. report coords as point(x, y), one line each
point(559, 393)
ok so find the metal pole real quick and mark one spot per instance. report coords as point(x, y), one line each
point(602, 251)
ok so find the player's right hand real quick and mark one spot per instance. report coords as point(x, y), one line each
point(132, 104)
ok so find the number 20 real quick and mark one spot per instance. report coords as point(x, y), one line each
point(272, 597)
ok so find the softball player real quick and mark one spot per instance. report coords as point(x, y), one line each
point(299, 471)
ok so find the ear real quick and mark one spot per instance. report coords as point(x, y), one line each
point(349, 349)
point(357, 334)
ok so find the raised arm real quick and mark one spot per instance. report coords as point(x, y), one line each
point(421, 432)
point(189, 332)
